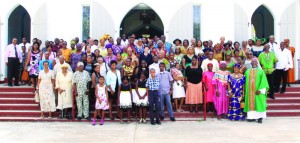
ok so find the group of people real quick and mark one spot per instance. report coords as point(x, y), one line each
point(140, 75)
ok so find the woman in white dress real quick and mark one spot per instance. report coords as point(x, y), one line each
point(46, 90)
point(64, 86)
point(178, 87)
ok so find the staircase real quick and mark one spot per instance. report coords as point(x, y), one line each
point(17, 104)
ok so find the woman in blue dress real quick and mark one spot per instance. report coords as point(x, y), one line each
point(236, 82)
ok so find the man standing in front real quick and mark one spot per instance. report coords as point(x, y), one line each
point(165, 91)
point(13, 58)
point(152, 86)
point(255, 93)
point(267, 59)
point(284, 63)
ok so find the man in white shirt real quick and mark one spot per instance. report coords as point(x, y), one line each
point(13, 58)
point(124, 41)
point(210, 59)
point(273, 45)
point(25, 44)
point(93, 46)
point(154, 65)
point(284, 63)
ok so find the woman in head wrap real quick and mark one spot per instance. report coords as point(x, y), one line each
point(220, 80)
point(236, 82)
point(64, 86)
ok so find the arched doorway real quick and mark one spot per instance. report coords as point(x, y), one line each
point(263, 22)
point(19, 24)
point(142, 20)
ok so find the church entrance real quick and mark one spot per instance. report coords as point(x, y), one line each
point(263, 22)
point(19, 24)
point(142, 21)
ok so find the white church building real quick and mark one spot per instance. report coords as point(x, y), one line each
point(183, 19)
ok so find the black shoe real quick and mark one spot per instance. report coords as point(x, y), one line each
point(162, 118)
point(276, 91)
point(88, 118)
point(289, 85)
point(259, 120)
point(250, 120)
point(158, 122)
point(10, 85)
point(172, 119)
point(152, 123)
point(79, 118)
point(16, 85)
point(271, 96)
point(282, 92)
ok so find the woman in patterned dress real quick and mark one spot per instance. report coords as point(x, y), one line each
point(46, 90)
point(236, 93)
point(33, 59)
point(76, 57)
point(220, 96)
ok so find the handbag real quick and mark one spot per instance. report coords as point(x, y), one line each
point(37, 97)
point(25, 76)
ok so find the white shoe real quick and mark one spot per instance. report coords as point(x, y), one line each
point(141, 120)
point(144, 121)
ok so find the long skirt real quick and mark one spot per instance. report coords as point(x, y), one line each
point(235, 112)
point(140, 102)
point(178, 89)
point(194, 93)
point(125, 100)
point(47, 97)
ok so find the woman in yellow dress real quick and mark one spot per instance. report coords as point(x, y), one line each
point(64, 85)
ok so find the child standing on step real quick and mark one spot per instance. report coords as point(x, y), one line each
point(101, 101)
point(125, 98)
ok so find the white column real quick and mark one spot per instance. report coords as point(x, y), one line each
point(3, 45)
point(297, 42)
point(276, 29)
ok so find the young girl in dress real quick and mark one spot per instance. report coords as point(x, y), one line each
point(125, 98)
point(141, 97)
point(101, 101)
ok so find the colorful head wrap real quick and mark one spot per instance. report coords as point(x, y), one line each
point(223, 62)
point(237, 65)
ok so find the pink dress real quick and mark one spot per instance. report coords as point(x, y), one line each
point(102, 95)
point(207, 79)
point(221, 103)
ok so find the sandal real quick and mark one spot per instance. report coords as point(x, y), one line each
point(42, 117)
point(49, 117)
point(121, 121)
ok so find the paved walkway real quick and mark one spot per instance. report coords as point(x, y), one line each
point(273, 130)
